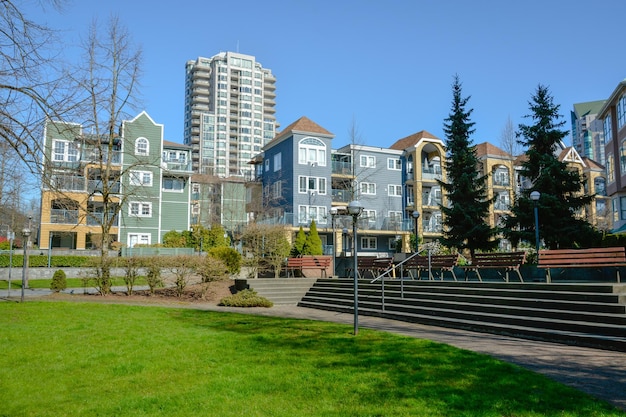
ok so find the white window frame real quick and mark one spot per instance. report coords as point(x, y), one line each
point(70, 152)
point(391, 244)
point(140, 239)
point(140, 178)
point(311, 151)
point(144, 209)
point(368, 188)
point(142, 146)
point(394, 164)
point(308, 184)
point(367, 161)
point(307, 213)
point(369, 242)
point(267, 165)
point(394, 190)
point(278, 161)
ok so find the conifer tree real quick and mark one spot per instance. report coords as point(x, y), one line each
point(561, 188)
point(313, 244)
point(464, 219)
point(298, 246)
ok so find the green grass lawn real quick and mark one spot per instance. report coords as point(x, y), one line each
point(90, 359)
point(16, 282)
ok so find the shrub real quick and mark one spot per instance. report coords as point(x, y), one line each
point(59, 281)
point(228, 255)
point(212, 269)
point(153, 273)
point(246, 298)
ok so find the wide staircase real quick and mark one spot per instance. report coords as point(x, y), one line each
point(278, 290)
point(592, 315)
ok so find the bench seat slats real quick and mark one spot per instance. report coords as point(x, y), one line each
point(437, 262)
point(582, 258)
point(509, 261)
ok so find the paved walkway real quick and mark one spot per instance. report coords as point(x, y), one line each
point(601, 373)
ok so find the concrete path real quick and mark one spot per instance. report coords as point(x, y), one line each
point(601, 373)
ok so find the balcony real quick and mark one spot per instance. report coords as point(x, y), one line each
point(341, 168)
point(68, 183)
point(177, 165)
point(63, 216)
point(342, 196)
point(432, 173)
point(96, 219)
point(96, 186)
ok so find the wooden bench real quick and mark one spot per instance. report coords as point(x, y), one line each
point(370, 265)
point(509, 261)
point(308, 262)
point(582, 258)
point(442, 263)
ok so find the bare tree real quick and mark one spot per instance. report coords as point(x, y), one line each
point(508, 139)
point(31, 85)
point(106, 83)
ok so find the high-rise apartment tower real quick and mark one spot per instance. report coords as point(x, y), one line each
point(230, 106)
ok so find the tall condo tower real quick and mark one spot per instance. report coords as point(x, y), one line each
point(230, 106)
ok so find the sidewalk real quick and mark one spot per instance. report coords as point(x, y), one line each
point(600, 373)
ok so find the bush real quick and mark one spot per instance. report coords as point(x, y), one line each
point(228, 255)
point(59, 281)
point(212, 269)
point(153, 273)
point(246, 298)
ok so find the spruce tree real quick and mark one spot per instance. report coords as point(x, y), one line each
point(298, 246)
point(561, 188)
point(313, 244)
point(464, 219)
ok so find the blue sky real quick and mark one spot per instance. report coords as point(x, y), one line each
point(384, 66)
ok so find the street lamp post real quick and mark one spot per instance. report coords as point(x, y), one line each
point(416, 216)
point(355, 209)
point(535, 195)
point(333, 213)
point(26, 239)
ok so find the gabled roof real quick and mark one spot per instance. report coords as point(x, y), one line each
point(593, 164)
point(487, 149)
point(589, 107)
point(168, 144)
point(569, 154)
point(412, 140)
point(302, 125)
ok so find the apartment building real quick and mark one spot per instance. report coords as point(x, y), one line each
point(230, 106)
point(587, 130)
point(613, 117)
point(148, 184)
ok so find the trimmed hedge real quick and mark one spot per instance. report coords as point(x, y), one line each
point(42, 261)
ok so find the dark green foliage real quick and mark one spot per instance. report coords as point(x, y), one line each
point(298, 244)
point(174, 239)
point(59, 281)
point(246, 298)
point(561, 188)
point(466, 190)
point(313, 243)
point(212, 269)
point(64, 261)
point(228, 255)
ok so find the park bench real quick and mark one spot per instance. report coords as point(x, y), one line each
point(370, 265)
point(509, 261)
point(582, 258)
point(301, 263)
point(442, 263)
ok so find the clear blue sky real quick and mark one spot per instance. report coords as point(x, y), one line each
point(386, 65)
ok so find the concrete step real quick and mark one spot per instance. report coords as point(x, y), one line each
point(284, 291)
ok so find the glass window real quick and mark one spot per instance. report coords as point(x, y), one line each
point(368, 161)
point(610, 168)
point(311, 184)
point(622, 208)
point(278, 161)
point(368, 188)
point(368, 243)
point(621, 111)
point(64, 151)
point(142, 146)
point(312, 151)
point(308, 213)
point(141, 178)
point(608, 129)
point(394, 190)
point(173, 184)
point(394, 164)
point(140, 209)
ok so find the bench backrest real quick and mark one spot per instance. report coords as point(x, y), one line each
point(308, 261)
point(497, 259)
point(436, 261)
point(582, 257)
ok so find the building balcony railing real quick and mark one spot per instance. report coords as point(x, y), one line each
point(432, 174)
point(178, 166)
point(501, 206)
point(342, 168)
point(96, 185)
point(499, 182)
point(96, 219)
point(372, 224)
point(63, 216)
point(67, 183)
point(342, 196)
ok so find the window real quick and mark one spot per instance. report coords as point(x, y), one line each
point(138, 239)
point(622, 157)
point(267, 165)
point(394, 190)
point(312, 151)
point(173, 184)
point(622, 208)
point(501, 176)
point(394, 164)
point(277, 189)
point(621, 112)
point(608, 129)
point(368, 161)
point(391, 245)
point(142, 146)
point(64, 151)
point(368, 188)
point(368, 243)
point(141, 178)
point(308, 213)
point(140, 209)
point(395, 216)
point(610, 171)
point(278, 161)
point(369, 215)
point(311, 184)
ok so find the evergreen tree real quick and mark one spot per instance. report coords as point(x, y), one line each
point(561, 188)
point(298, 246)
point(313, 244)
point(464, 220)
